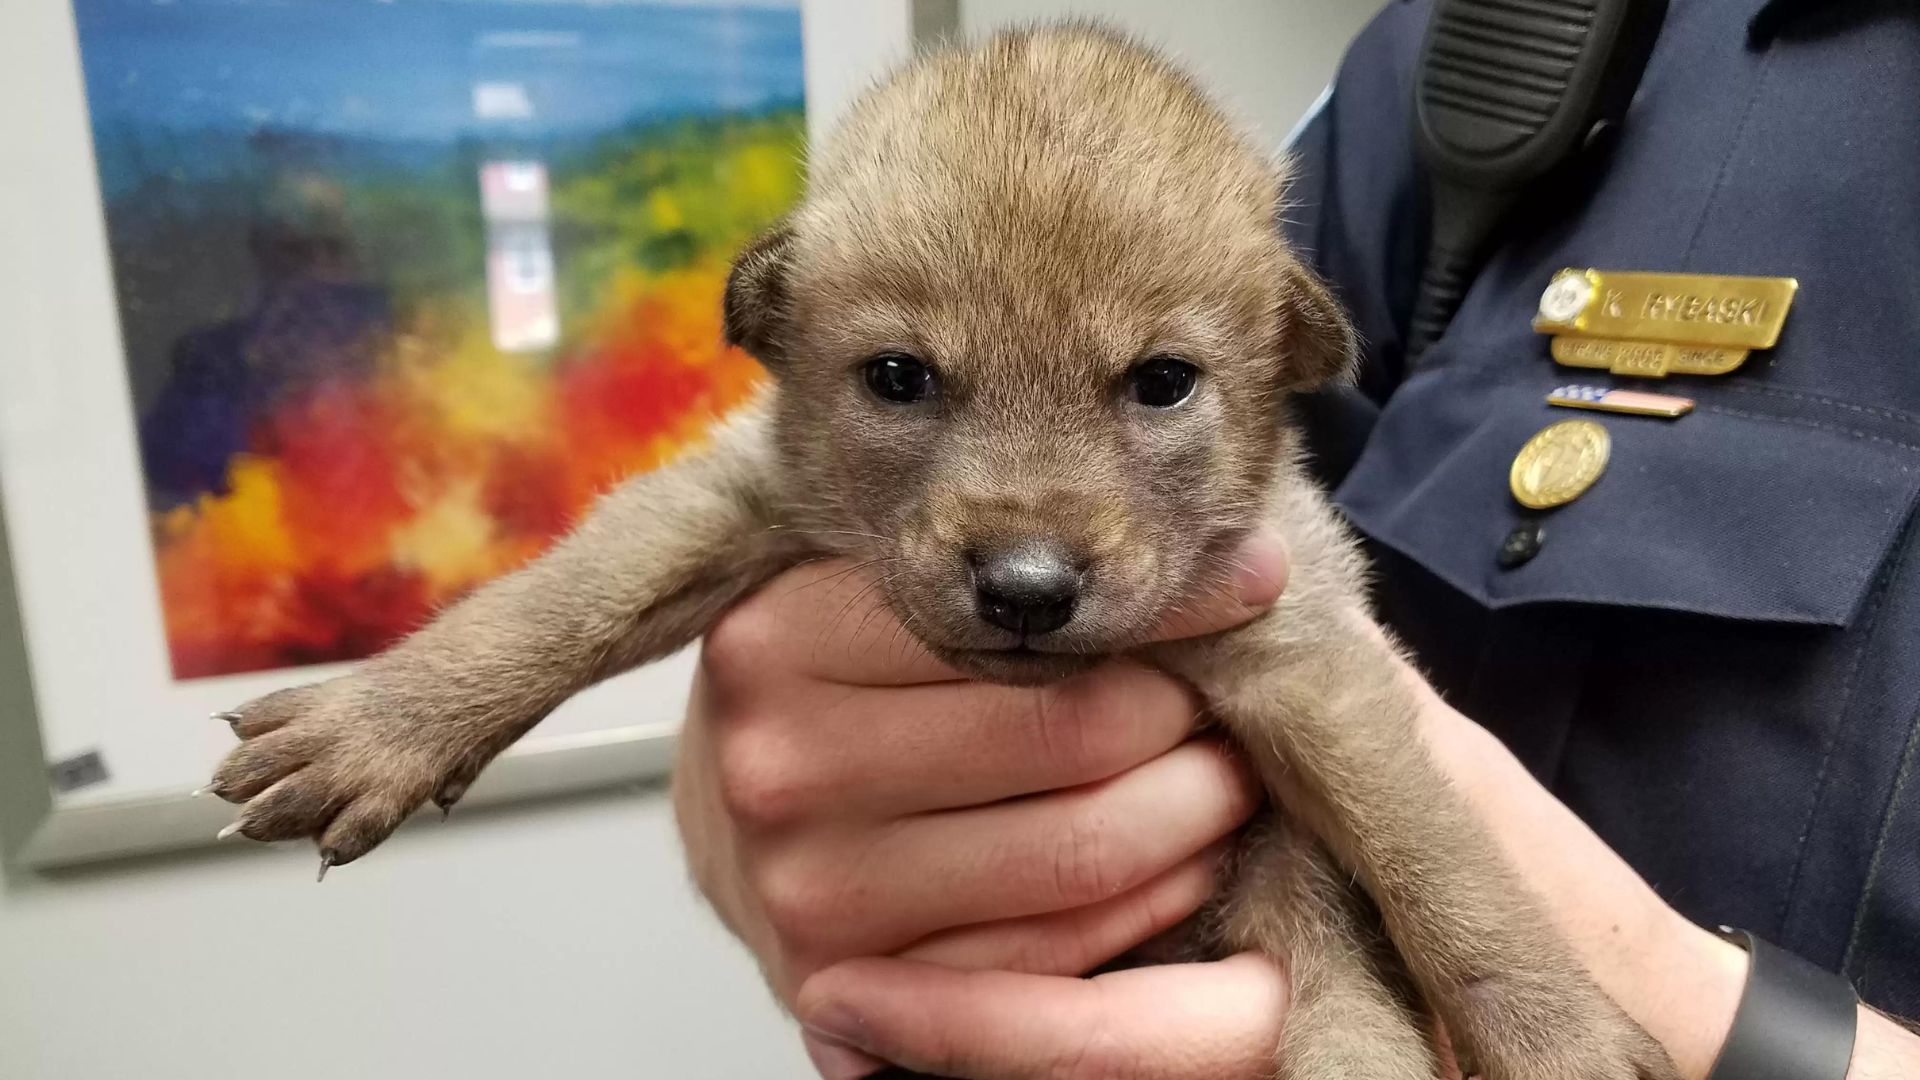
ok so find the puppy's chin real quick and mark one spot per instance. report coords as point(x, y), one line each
point(1017, 667)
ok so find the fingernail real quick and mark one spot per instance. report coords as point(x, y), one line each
point(1260, 569)
point(837, 1061)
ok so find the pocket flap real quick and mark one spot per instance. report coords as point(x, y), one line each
point(1723, 512)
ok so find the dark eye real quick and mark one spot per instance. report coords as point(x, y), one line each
point(899, 378)
point(1163, 381)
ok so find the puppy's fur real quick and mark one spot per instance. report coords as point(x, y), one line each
point(1033, 218)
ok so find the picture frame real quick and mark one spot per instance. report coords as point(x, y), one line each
point(86, 691)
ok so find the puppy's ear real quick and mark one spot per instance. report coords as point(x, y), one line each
point(756, 300)
point(1317, 342)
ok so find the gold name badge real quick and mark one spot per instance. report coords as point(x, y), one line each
point(1646, 360)
point(1677, 309)
point(1559, 464)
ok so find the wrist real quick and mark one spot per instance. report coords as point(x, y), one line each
point(1691, 987)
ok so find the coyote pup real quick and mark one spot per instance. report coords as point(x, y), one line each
point(1032, 335)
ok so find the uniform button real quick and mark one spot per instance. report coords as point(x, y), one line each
point(1521, 545)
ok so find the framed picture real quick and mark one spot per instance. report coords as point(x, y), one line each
point(332, 310)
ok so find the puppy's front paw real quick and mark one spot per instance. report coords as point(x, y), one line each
point(1550, 1027)
point(343, 762)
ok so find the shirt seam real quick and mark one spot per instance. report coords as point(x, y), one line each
point(1882, 840)
point(1726, 163)
point(1838, 429)
point(1822, 399)
point(1869, 628)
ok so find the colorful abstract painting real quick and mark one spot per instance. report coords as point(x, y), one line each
point(405, 284)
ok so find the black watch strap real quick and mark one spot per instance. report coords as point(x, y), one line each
point(1795, 1021)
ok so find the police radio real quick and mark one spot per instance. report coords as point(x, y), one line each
point(1506, 92)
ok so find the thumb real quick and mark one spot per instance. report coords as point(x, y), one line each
point(1217, 1021)
point(1251, 580)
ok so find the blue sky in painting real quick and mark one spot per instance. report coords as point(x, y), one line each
point(404, 70)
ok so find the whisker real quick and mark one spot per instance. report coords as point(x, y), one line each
point(799, 531)
point(834, 624)
point(836, 576)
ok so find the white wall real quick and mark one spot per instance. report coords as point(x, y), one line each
point(555, 941)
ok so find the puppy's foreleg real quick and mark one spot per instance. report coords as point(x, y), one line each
point(1348, 1018)
point(345, 761)
point(1335, 736)
point(1312, 692)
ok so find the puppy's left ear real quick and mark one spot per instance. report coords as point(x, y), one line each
point(1318, 345)
point(757, 299)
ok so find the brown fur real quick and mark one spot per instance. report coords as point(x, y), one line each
point(1032, 217)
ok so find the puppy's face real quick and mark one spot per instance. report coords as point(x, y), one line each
point(1045, 421)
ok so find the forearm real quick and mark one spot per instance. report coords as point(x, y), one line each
point(1680, 981)
point(1628, 937)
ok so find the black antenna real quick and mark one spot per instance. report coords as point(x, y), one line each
point(1507, 91)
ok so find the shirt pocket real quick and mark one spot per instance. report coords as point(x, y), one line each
point(1776, 512)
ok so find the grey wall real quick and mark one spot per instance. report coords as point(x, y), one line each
point(560, 941)
point(557, 941)
point(1266, 59)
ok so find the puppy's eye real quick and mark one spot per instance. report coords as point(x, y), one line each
point(899, 378)
point(1163, 381)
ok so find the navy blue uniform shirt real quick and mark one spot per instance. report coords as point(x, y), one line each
point(1715, 657)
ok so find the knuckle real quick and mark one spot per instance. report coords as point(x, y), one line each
point(1104, 723)
point(737, 648)
point(1084, 859)
point(797, 900)
point(1069, 719)
point(1066, 952)
point(1096, 1055)
point(761, 780)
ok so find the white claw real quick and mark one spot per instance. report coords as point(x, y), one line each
point(228, 831)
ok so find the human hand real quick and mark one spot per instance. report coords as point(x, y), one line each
point(1221, 1021)
point(842, 794)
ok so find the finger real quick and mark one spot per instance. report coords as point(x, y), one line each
point(883, 754)
point(864, 894)
point(1255, 574)
point(1077, 941)
point(1221, 1021)
point(827, 621)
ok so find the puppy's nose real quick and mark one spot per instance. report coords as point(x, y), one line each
point(1028, 588)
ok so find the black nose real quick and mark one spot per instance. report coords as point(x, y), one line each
point(1028, 588)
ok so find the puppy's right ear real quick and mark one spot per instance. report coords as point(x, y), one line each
point(1320, 344)
point(756, 300)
